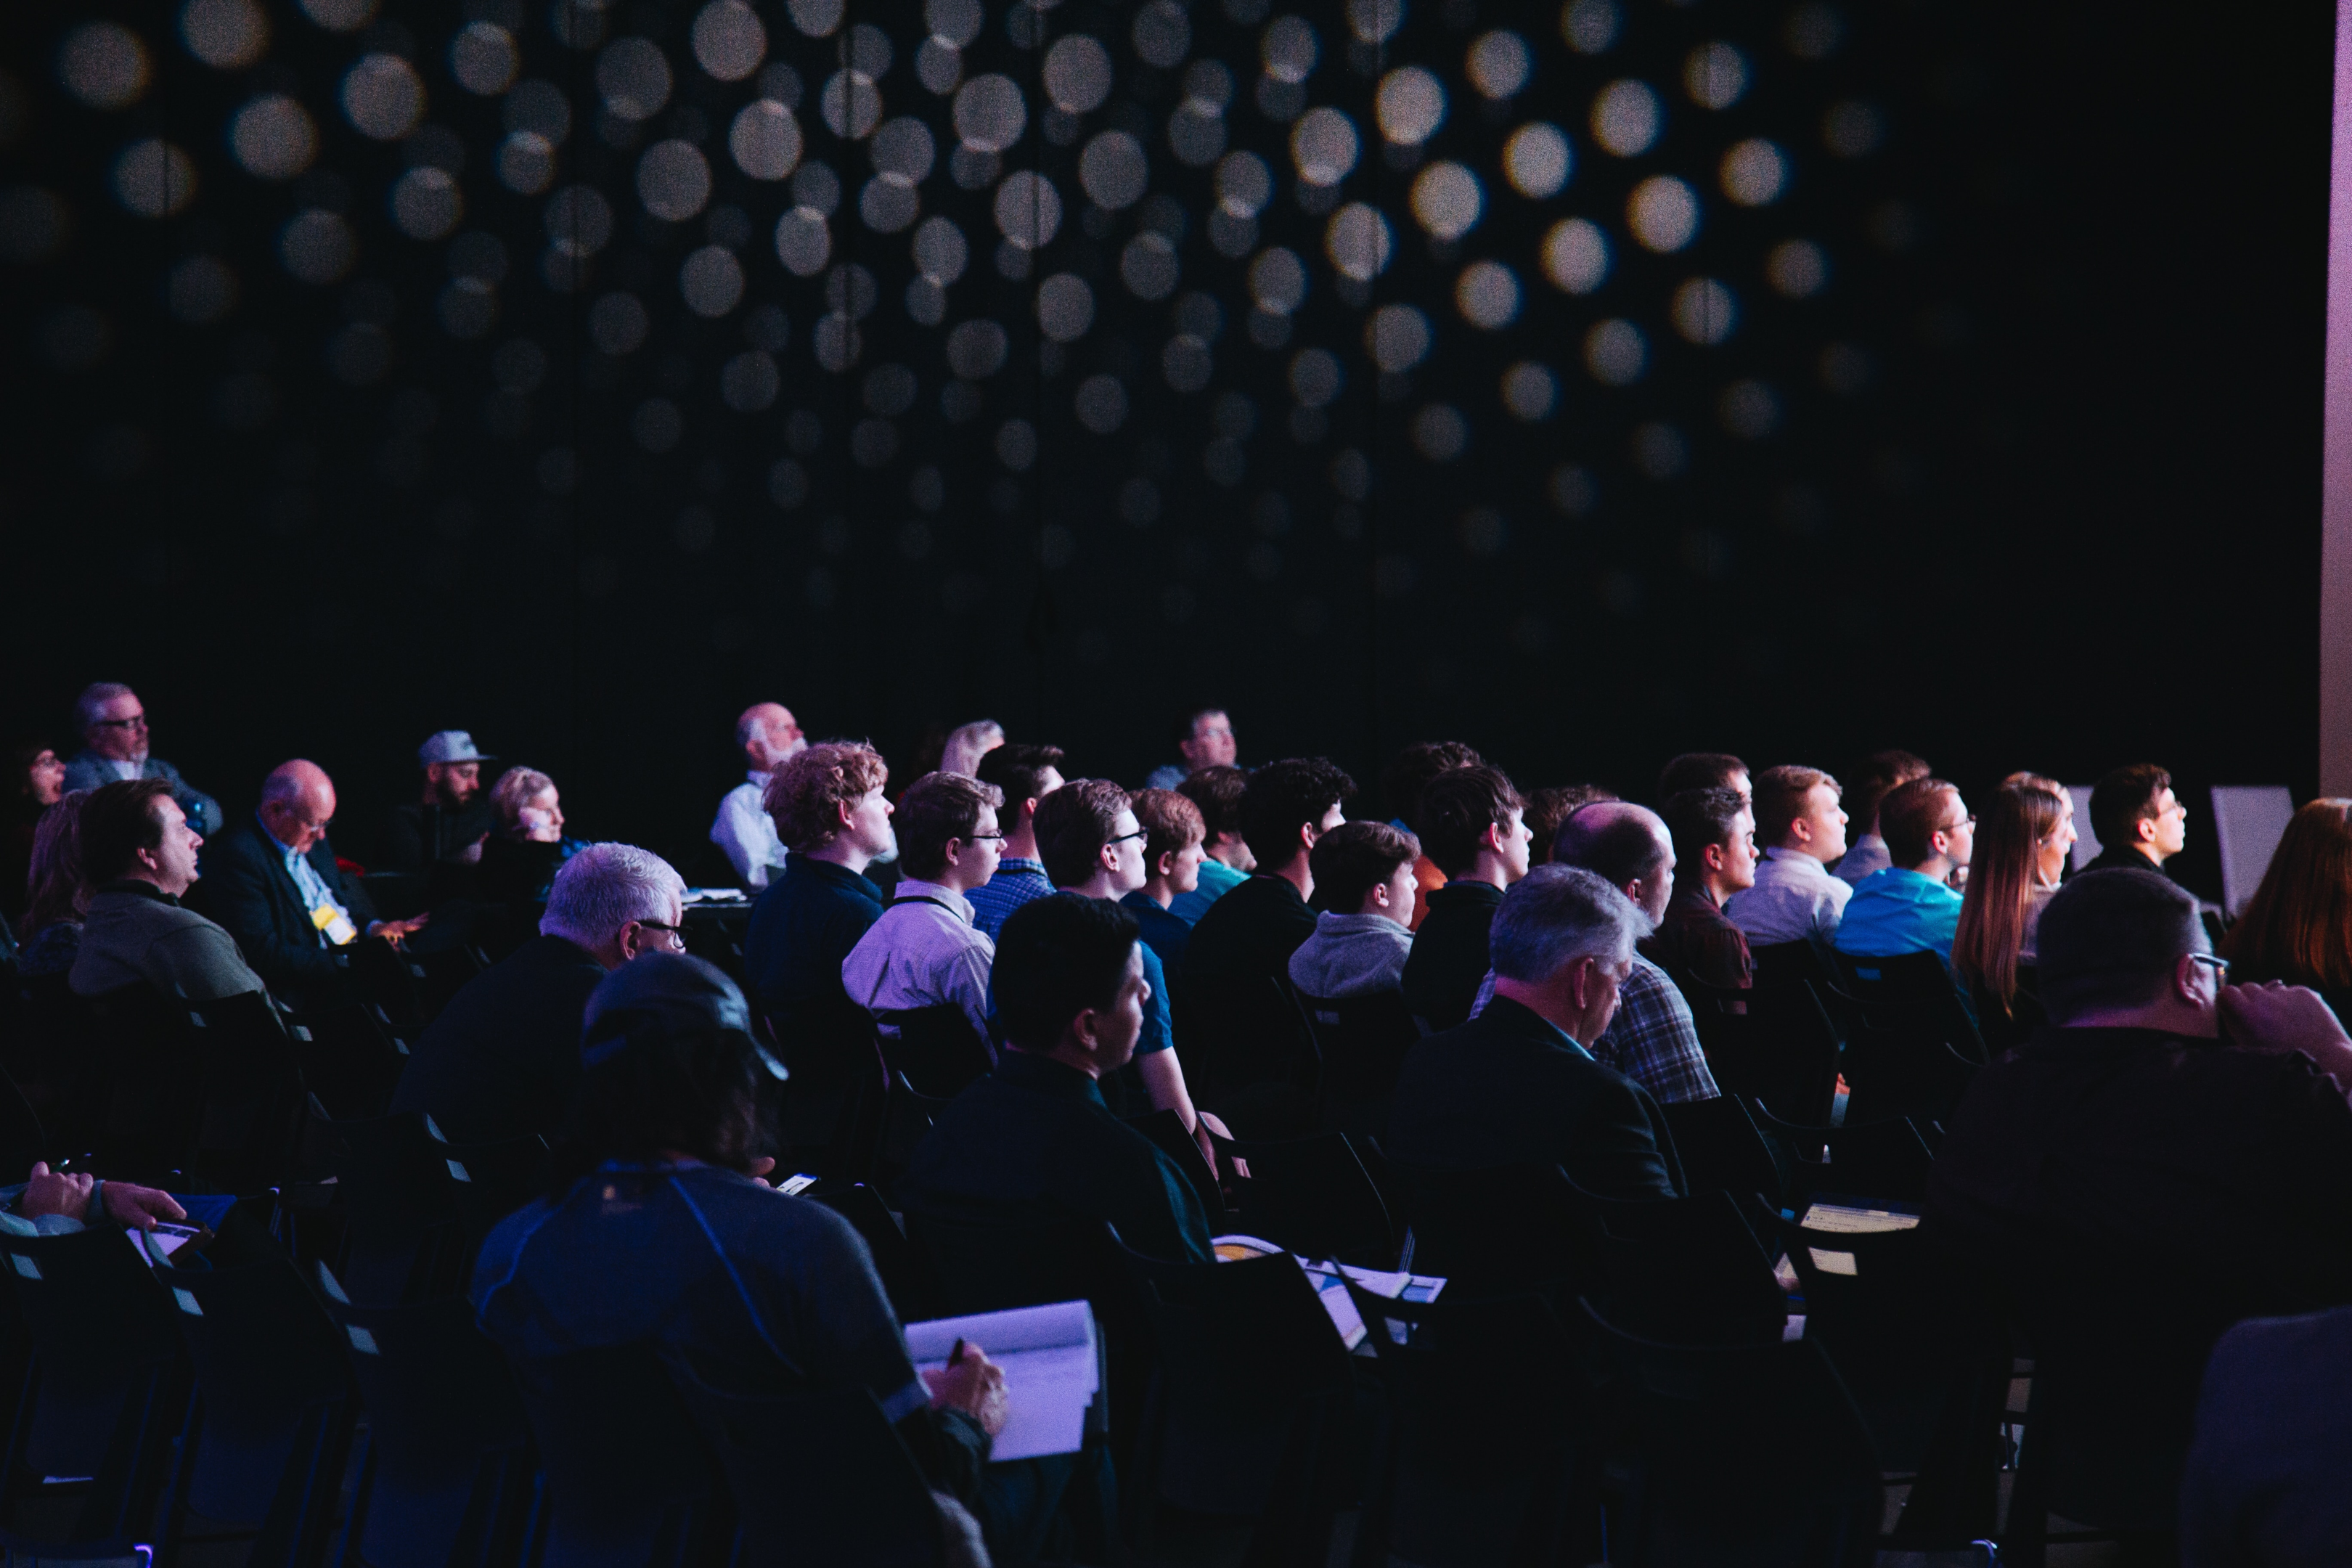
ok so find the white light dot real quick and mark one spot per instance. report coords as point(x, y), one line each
point(1754, 172)
point(382, 97)
point(273, 138)
point(940, 253)
point(766, 140)
point(804, 242)
point(1243, 185)
point(1498, 63)
point(1358, 241)
point(1278, 281)
point(729, 40)
point(1625, 117)
point(1663, 212)
point(1615, 353)
point(426, 204)
point(1375, 21)
point(1289, 51)
point(711, 282)
point(482, 57)
point(1323, 145)
point(226, 34)
point(526, 162)
point(851, 104)
point(1575, 256)
point(1487, 295)
point(1410, 105)
point(1715, 75)
point(672, 180)
point(816, 18)
point(154, 179)
point(579, 220)
point(1397, 337)
point(103, 64)
point(1447, 199)
point(903, 148)
point(1536, 160)
point(1705, 312)
point(1028, 209)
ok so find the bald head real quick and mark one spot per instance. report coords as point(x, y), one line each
point(768, 733)
point(298, 801)
point(1625, 843)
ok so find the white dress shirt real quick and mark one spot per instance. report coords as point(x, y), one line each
point(1795, 899)
point(748, 834)
point(924, 951)
point(1866, 857)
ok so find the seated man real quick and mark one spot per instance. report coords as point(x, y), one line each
point(925, 952)
point(53, 1203)
point(1547, 808)
point(1408, 773)
point(1364, 873)
point(114, 750)
point(2167, 1156)
point(1802, 830)
point(1026, 775)
point(2264, 1483)
point(501, 1059)
point(1653, 1039)
point(1033, 1143)
point(1093, 848)
point(1516, 1086)
point(274, 885)
point(1880, 775)
point(662, 1232)
point(140, 854)
point(1702, 770)
point(1174, 836)
point(1910, 906)
point(1204, 738)
point(1250, 932)
point(767, 734)
point(1715, 837)
point(830, 811)
point(1226, 858)
point(454, 817)
point(2138, 821)
point(1473, 825)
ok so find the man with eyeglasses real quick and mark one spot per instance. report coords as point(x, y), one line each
point(925, 952)
point(1204, 738)
point(2169, 1155)
point(114, 748)
point(276, 886)
point(502, 1058)
point(1910, 906)
point(2139, 822)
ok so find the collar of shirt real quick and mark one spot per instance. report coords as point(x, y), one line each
point(1021, 865)
point(808, 868)
point(1796, 863)
point(757, 777)
point(139, 889)
point(1910, 887)
point(1029, 1070)
point(933, 892)
point(1330, 922)
point(1531, 1026)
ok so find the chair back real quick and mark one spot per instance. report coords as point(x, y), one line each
point(247, 1139)
point(629, 1479)
point(1721, 1150)
point(906, 1273)
point(1689, 1271)
point(1256, 1051)
point(1166, 1130)
point(350, 1058)
point(935, 1049)
point(1781, 1047)
point(1500, 1230)
point(154, 1083)
point(1887, 1160)
point(1313, 1197)
point(1363, 1041)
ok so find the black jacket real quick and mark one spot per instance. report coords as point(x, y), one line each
point(503, 1057)
point(1449, 953)
point(1249, 933)
point(247, 891)
point(1508, 1089)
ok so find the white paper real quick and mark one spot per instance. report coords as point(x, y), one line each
point(1052, 1371)
point(1331, 1288)
point(1839, 1219)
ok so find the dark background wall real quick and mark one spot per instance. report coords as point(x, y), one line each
point(352, 444)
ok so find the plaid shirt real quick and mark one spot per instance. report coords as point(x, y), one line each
point(1652, 1040)
point(1017, 881)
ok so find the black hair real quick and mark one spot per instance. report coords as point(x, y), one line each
point(1286, 796)
point(1056, 957)
point(2112, 939)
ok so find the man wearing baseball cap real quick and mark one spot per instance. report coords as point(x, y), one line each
point(453, 816)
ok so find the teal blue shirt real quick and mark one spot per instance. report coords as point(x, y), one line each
point(1217, 880)
point(1895, 912)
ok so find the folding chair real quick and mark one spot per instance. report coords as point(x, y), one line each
point(1501, 1230)
point(252, 1094)
point(906, 1273)
point(155, 1085)
point(1720, 1148)
point(1166, 1130)
point(445, 1473)
point(935, 1049)
point(1887, 1160)
point(907, 1115)
point(417, 1207)
point(350, 1058)
point(270, 1426)
point(1255, 1052)
point(1363, 1041)
point(628, 1478)
point(1313, 1195)
point(1689, 1270)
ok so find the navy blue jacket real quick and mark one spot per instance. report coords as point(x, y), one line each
point(801, 928)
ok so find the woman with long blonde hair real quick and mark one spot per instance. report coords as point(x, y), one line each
point(2024, 833)
point(2298, 928)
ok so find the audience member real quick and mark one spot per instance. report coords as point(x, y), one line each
point(1802, 830)
point(1473, 825)
point(522, 855)
point(1226, 858)
point(274, 884)
point(1880, 775)
point(924, 951)
point(139, 853)
point(2264, 1483)
point(2138, 821)
point(1364, 879)
point(502, 1057)
point(1174, 839)
point(1034, 1142)
point(2297, 927)
point(1910, 907)
point(1518, 1085)
point(830, 811)
point(1250, 932)
point(658, 1230)
point(767, 734)
point(2013, 870)
point(967, 744)
point(1702, 770)
point(449, 822)
point(57, 1203)
point(38, 779)
point(1409, 773)
point(2166, 1156)
point(1093, 846)
point(1028, 774)
point(1651, 1039)
point(1204, 738)
point(114, 750)
point(58, 894)
point(1714, 832)
point(1547, 808)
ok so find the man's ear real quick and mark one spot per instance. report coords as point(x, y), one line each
point(1165, 866)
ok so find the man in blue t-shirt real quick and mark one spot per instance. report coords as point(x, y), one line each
point(1910, 907)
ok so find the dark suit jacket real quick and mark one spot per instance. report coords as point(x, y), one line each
point(1248, 933)
point(1448, 961)
point(1508, 1089)
point(503, 1057)
point(246, 889)
point(2122, 857)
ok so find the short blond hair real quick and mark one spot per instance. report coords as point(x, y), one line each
point(515, 786)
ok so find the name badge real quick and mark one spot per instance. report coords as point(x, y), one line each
point(335, 925)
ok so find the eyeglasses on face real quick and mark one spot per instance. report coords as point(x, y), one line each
point(1139, 833)
point(676, 934)
point(136, 722)
point(976, 838)
point(2214, 961)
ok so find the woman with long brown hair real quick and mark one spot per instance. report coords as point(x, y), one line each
point(2298, 928)
point(2022, 835)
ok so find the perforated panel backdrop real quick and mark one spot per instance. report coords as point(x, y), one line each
point(1589, 382)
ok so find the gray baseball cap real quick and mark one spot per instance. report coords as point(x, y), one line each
point(450, 746)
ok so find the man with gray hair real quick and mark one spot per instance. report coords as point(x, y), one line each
point(766, 734)
point(503, 1057)
point(113, 725)
point(1516, 1084)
